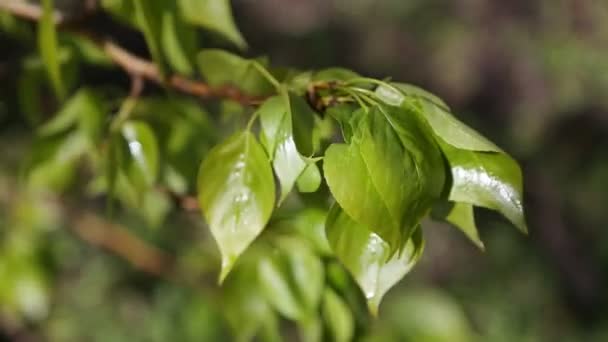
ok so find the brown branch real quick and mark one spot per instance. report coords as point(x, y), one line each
point(135, 65)
point(119, 241)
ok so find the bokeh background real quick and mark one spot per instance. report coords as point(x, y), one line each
point(530, 74)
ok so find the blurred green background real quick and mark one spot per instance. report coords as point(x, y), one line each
point(530, 74)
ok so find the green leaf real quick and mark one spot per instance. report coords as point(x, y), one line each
point(148, 17)
point(177, 39)
point(287, 124)
point(215, 15)
point(338, 317)
point(292, 277)
point(84, 109)
point(389, 174)
point(334, 74)
point(461, 216)
point(224, 68)
point(438, 115)
point(310, 179)
point(142, 164)
point(49, 47)
point(487, 179)
point(368, 257)
point(236, 195)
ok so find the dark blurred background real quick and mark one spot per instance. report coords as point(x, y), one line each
point(530, 74)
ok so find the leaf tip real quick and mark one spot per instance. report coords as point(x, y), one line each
point(227, 265)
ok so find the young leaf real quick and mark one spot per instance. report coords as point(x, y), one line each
point(142, 164)
point(224, 68)
point(287, 124)
point(368, 257)
point(49, 47)
point(310, 179)
point(236, 195)
point(334, 74)
point(389, 174)
point(461, 216)
point(436, 112)
point(215, 15)
point(487, 179)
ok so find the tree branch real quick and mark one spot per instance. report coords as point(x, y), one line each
point(135, 65)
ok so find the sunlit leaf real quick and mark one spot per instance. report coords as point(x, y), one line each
point(215, 15)
point(49, 47)
point(388, 175)
point(236, 195)
point(487, 179)
point(438, 115)
point(368, 257)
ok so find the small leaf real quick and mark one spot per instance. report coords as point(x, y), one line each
point(368, 257)
point(487, 179)
point(437, 113)
point(49, 47)
point(142, 165)
point(338, 317)
point(287, 130)
point(461, 216)
point(215, 15)
point(236, 195)
point(310, 179)
point(224, 68)
point(334, 74)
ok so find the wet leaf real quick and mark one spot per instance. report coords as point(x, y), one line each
point(388, 175)
point(438, 115)
point(487, 179)
point(236, 195)
point(368, 257)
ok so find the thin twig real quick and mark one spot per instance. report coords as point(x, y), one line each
point(135, 65)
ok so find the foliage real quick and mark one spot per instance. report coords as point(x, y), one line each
point(313, 184)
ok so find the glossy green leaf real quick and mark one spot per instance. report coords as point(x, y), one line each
point(215, 15)
point(310, 179)
point(236, 195)
point(142, 164)
point(462, 217)
point(487, 179)
point(368, 257)
point(148, 15)
point(287, 124)
point(389, 174)
point(437, 113)
point(49, 47)
point(338, 317)
point(224, 68)
point(292, 277)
